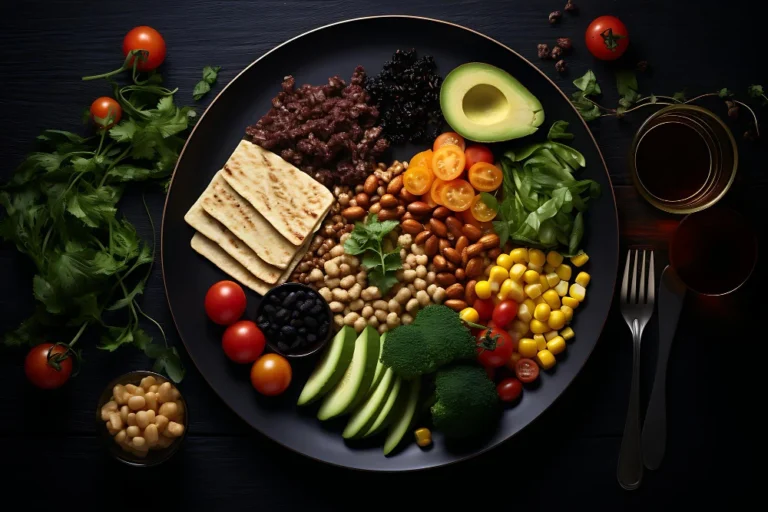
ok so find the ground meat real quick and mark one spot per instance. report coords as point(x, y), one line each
point(328, 131)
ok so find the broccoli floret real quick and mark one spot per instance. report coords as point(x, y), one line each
point(467, 402)
point(406, 353)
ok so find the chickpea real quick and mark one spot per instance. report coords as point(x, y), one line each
point(332, 283)
point(115, 421)
point(121, 437)
point(153, 388)
point(422, 259)
point(173, 429)
point(347, 282)
point(393, 306)
point(338, 250)
point(420, 284)
point(151, 399)
point(351, 318)
point(151, 416)
point(381, 315)
point(169, 410)
point(406, 319)
point(411, 259)
point(431, 278)
point(355, 291)
point(423, 298)
point(338, 321)
point(161, 422)
point(359, 325)
point(356, 305)
point(151, 434)
point(164, 392)
point(431, 289)
point(344, 238)
point(343, 199)
point(138, 441)
point(331, 269)
point(132, 431)
point(439, 296)
point(373, 322)
point(345, 270)
point(124, 410)
point(417, 250)
point(107, 409)
point(361, 278)
point(412, 288)
point(393, 320)
point(142, 420)
point(403, 295)
point(399, 273)
point(409, 276)
point(350, 260)
point(315, 275)
point(134, 390)
point(380, 304)
point(421, 272)
point(148, 381)
point(131, 420)
point(325, 292)
point(340, 295)
point(382, 328)
point(413, 306)
point(120, 394)
point(137, 402)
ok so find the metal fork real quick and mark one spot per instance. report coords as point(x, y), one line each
point(636, 308)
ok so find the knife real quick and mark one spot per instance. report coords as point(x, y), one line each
point(671, 294)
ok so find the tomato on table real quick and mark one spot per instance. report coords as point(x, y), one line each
point(271, 374)
point(106, 112)
point(607, 38)
point(48, 373)
point(457, 195)
point(418, 179)
point(484, 308)
point(481, 211)
point(424, 158)
point(147, 39)
point(225, 302)
point(449, 139)
point(494, 347)
point(485, 177)
point(243, 342)
point(477, 153)
point(436, 190)
point(527, 370)
point(448, 162)
point(504, 312)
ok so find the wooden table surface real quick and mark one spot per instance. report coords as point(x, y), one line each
point(569, 454)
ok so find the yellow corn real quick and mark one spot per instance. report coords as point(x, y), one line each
point(514, 290)
point(498, 274)
point(513, 359)
point(423, 437)
point(519, 327)
point(541, 312)
point(546, 359)
point(577, 292)
point(550, 334)
point(541, 342)
point(549, 268)
point(504, 260)
point(531, 276)
point(544, 282)
point(583, 279)
point(533, 290)
point(519, 255)
point(552, 279)
point(562, 288)
point(536, 257)
point(570, 302)
point(564, 272)
point(568, 312)
point(537, 268)
point(483, 289)
point(554, 258)
point(531, 305)
point(552, 298)
point(527, 347)
point(525, 313)
point(469, 315)
point(567, 333)
point(580, 259)
point(517, 271)
point(506, 286)
point(538, 327)
point(556, 345)
point(556, 320)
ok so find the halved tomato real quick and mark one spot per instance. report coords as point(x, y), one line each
point(424, 158)
point(485, 177)
point(467, 217)
point(418, 179)
point(427, 198)
point(481, 211)
point(448, 162)
point(477, 153)
point(449, 138)
point(457, 195)
point(436, 191)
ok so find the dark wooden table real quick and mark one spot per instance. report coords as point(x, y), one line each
point(569, 455)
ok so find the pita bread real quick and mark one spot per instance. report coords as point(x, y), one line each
point(210, 250)
point(289, 199)
point(225, 205)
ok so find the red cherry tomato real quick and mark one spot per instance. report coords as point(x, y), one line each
point(106, 112)
point(243, 342)
point(527, 370)
point(225, 302)
point(271, 374)
point(607, 38)
point(484, 308)
point(41, 372)
point(504, 312)
point(494, 347)
point(509, 389)
point(148, 39)
point(477, 153)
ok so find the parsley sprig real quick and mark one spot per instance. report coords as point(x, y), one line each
point(368, 239)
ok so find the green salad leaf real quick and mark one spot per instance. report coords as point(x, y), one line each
point(367, 239)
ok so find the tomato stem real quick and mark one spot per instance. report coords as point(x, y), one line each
point(104, 75)
point(79, 333)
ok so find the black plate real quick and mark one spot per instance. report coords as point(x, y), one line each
point(312, 58)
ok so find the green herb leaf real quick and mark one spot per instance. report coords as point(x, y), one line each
point(725, 93)
point(755, 91)
point(587, 83)
point(490, 201)
point(392, 261)
point(210, 75)
point(626, 83)
point(559, 131)
point(201, 89)
point(169, 362)
point(587, 109)
point(679, 96)
point(381, 280)
point(577, 233)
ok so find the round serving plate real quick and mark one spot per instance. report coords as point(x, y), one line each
point(313, 57)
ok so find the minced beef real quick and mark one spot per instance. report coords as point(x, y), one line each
point(329, 131)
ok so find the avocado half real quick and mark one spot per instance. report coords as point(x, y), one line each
point(486, 104)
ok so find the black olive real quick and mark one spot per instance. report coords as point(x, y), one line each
point(290, 299)
point(306, 305)
point(301, 295)
point(282, 315)
point(317, 308)
point(311, 338)
point(310, 322)
point(270, 309)
point(274, 299)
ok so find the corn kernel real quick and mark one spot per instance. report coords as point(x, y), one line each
point(513, 359)
point(527, 347)
point(525, 313)
point(536, 257)
point(568, 312)
point(544, 282)
point(483, 289)
point(556, 345)
point(517, 271)
point(519, 255)
point(514, 290)
point(549, 268)
point(570, 302)
point(577, 292)
point(497, 274)
point(556, 320)
point(519, 327)
point(554, 258)
point(567, 333)
point(580, 259)
point(562, 288)
point(542, 312)
point(546, 359)
point(504, 260)
point(423, 437)
point(538, 327)
point(552, 298)
point(506, 286)
point(469, 315)
point(564, 272)
point(531, 276)
point(533, 290)
point(541, 342)
point(583, 279)
point(537, 268)
point(539, 300)
point(552, 279)
point(531, 304)
point(550, 334)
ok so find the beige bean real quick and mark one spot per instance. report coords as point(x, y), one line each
point(124, 411)
point(336, 306)
point(356, 305)
point(153, 388)
point(337, 251)
point(351, 318)
point(338, 321)
point(150, 416)
point(345, 270)
point(340, 295)
point(412, 288)
point(120, 437)
point(164, 392)
point(151, 399)
point(108, 408)
point(367, 312)
point(431, 289)
point(413, 306)
point(402, 296)
point(423, 298)
point(132, 431)
point(142, 420)
point(380, 304)
point(118, 392)
point(174, 429)
point(151, 435)
point(112, 430)
point(439, 296)
point(409, 275)
point(393, 320)
point(134, 390)
point(332, 283)
point(420, 284)
point(131, 419)
point(148, 381)
point(393, 306)
point(406, 319)
point(355, 291)
point(359, 325)
point(373, 322)
point(161, 422)
point(381, 315)
point(371, 293)
point(179, 409)
point(325, 293)
point(137, 402)
point(411, 259)
point(417, 249)
point(347, 282)
point(115, 421)
point(331, 269)
point(169, 410)
point(421, 272)
point(138, 441)
point(315, 275)
point(382, 328)
point(422, 259)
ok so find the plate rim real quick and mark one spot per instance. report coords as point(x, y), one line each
point(484, 449)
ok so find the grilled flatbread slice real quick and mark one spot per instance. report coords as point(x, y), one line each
point(291, 200)
point(211, 250)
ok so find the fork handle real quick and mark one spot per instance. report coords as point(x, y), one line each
point(630, 467)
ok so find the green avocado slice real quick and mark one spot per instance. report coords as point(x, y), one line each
point(331, 367)
point(403, 422)
point(366, 414)
point(385, 414)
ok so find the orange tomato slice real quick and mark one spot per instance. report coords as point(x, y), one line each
point(481, 211)
point(436, 191)
point(447, 138)
point(427, 198)
point(424, 158)
point(467, 217)
point(485, 177)
point(418, 179)
point(457, 195)
point(448, 162)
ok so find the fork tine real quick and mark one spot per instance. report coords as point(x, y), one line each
point(641, 295)
point(633, 293)
point(651, 282)
point(625, 281)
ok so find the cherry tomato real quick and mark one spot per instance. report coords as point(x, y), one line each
point(436, 191)
point(106, 112)
point(509, 389)
point(527, 370)
point(225, 302)
point(494, 347)
point(243, 342)
point(149, 39)
point(449, 138)
point(504, 312)
point(427, 198)
point(418, 179)
point(467, 217)
point(477, 153)
point(271, 374)
point(424, 158)
point(41, 372)
point(484, 308)
point(485, 177)
point(481, 211)
point(490, 372)
point(448, 162)
point(607, 38)
point(457, 195)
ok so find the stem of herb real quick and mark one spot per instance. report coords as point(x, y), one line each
point(101, 141)
point(79, 333)
point(157, 324)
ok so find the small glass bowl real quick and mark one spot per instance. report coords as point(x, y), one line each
point(154, 457)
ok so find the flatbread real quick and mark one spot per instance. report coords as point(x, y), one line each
point(289, 199)
point(225, 205)
point(211, 250)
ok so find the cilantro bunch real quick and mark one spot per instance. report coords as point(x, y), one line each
point(368, 239)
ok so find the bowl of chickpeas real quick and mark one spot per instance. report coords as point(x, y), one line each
point(143, 417)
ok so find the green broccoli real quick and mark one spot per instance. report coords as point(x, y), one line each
point(436, 338)
point(467, 402)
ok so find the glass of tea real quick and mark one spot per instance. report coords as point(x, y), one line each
point(683, 159)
